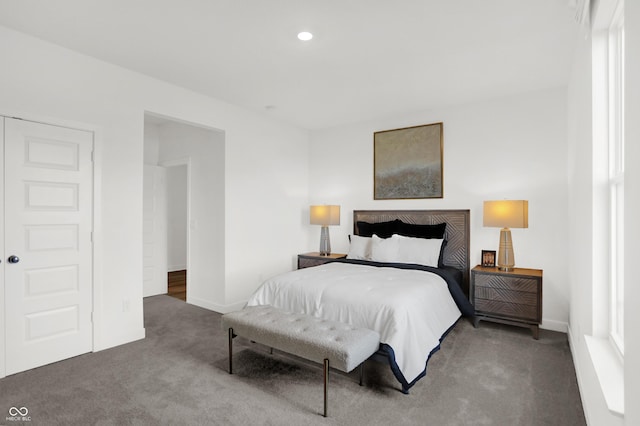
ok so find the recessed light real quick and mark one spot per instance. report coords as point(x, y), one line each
point(305, 36)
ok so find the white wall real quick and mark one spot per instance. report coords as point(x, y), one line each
point(512, 148)
point(154, 212)
point(265, 177)
point(151, 148)
point(154, 235)
point(177, 216)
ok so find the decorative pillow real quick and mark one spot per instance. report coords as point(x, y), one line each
point(421, 231)
point(360, 248)
point(384, 249)
point(423, 251)
point(381, 229)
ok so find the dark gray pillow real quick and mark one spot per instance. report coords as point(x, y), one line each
point(381, 229)
point(421, 231)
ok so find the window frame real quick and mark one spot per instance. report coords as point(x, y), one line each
point(615, 56)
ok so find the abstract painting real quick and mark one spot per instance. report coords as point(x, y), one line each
point(407, 163)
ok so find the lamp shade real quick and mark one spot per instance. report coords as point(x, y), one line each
point(324, 215)
point(506, 214)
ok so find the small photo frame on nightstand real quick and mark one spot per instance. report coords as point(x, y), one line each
point(489, 258)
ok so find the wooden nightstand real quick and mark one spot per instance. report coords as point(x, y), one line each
point(513, 297)
point(314, 259)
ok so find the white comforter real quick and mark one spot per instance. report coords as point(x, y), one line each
point(411, 309)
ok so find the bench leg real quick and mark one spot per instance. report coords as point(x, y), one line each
point(231, 351)
point(326, 384)
point(361, 372)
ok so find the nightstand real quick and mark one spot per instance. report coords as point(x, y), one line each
point(314, 259)
point(513, 297)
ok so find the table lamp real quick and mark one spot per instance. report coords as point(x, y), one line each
point(325, 216)
point(506, 214)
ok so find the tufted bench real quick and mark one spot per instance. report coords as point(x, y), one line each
point(331, 343)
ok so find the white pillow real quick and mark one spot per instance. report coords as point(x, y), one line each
point(360, 248)
point(423, 251)
point(384, 249)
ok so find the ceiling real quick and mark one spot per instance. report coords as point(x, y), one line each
point(368, 58)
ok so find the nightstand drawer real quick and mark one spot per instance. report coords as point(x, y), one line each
point(509, 296)
point(506, 309)
point(524, 284)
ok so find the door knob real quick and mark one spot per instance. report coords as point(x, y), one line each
point(13, 259)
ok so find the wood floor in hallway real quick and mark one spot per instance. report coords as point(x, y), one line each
point(178, 285)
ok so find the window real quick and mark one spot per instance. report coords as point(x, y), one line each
point(606, 341)
point(616, 178)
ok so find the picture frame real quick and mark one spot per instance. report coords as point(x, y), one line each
point(489, 258)
point(408, 163)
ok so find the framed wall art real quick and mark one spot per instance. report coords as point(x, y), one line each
point(407, 163)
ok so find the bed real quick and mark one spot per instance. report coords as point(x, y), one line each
point(412, 305)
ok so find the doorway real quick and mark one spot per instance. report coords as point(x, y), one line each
point(177, 190)
point(172, 146)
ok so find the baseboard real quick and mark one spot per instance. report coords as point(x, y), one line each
point(177, 268)
point(579, 374)
point(553, 325)
point(120, 339)
point(222, 309)
point(155, 292)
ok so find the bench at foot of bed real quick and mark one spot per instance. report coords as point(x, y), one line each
point(333, 344)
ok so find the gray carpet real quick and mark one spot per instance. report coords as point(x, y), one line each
point(493, 375)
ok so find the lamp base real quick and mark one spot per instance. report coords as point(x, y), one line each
point(325, 242)
point(506, 260)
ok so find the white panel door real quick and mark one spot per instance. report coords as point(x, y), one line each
point(48, 248)
point(154, 231)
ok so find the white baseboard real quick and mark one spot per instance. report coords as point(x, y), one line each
point(120, 339)
point(573, 347)
point(155, 292)
point(175, 268)
point(553, 325)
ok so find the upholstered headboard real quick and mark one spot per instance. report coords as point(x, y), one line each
point(456, 252)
